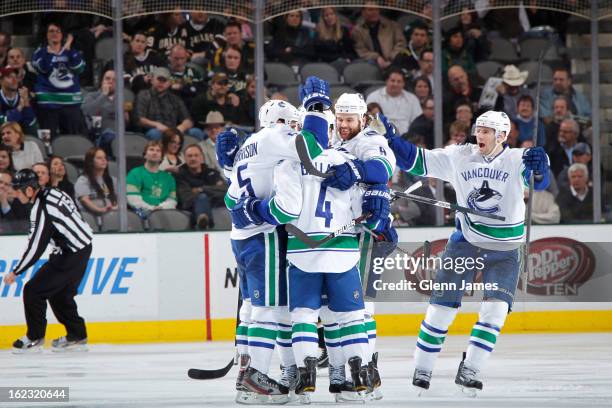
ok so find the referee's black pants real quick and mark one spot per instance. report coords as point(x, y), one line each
point(56, 281)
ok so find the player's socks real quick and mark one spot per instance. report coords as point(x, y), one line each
point(262, 338)
point(370, 327)
point(333, 343)
point(283, 341)
point(242, 331)
point(432, 335)
point(354, 340)
point(242, 338)
point(482, 343)
point(305, 341)
point(484, 334)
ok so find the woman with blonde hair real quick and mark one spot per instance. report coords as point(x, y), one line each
point(24, 152)
point(333, 43)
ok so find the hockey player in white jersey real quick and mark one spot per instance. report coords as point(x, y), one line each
point(260, 250)
point(487, 176)
point(302, 200)
point(374, 163)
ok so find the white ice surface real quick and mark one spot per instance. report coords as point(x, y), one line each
point(553, 370)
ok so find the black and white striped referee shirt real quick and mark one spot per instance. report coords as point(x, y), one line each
point(54, 220)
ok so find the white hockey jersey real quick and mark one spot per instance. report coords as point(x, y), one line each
point(253, 171)
point(493, 186)
point(369, 145)
point(300, 200)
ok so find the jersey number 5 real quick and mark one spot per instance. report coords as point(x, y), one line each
point(245, 182)
point(324, 208)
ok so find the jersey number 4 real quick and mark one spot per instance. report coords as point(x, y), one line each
point(324, 208)
point(245, 182)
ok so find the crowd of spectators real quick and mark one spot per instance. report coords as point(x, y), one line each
point(191, 75)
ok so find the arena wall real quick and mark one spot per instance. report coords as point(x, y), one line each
point(183, 287)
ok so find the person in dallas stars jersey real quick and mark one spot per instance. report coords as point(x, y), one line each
point(491, 177)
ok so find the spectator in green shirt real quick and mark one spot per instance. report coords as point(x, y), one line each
point(148, 187)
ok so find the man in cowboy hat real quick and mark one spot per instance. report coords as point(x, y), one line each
point(511, 89)
point(213, 126)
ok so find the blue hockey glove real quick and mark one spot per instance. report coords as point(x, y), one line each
point(376, 203)
point(226, 147)
point(389, 233)
point(315, 94)
point(345, 175)
point(245, 213)
point(390, 130)
point(536, 160)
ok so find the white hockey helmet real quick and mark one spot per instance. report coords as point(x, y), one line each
point(273, 110)
point(496, 120)
point(351, 103)
point(331, 126)
point(301, 114)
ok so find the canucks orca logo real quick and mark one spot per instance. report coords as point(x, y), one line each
point(61, 77)
point(484, 199)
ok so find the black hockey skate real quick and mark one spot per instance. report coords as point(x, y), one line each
point(374, 392)
point(262, 389)
point(289, 376)
point(307, 376)
point(421, 380)
point(323, 360)
point(342, 389)
point(359, 374)
point(25, 345)
point(467, 380)
point(243, 360)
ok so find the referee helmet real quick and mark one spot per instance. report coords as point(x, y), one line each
point(25, 178)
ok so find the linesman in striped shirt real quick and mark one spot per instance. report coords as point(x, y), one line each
point(54, 220)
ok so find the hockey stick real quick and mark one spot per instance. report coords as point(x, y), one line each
point(313, 243)
point(202, 374)
point(199, 374)
point(410, 189)
point(302, 151)
point(447, 205)
point(524, 272)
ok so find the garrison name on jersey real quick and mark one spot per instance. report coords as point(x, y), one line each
point(253, 171)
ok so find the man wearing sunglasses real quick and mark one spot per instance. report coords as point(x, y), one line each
point(158, 109)
point(54, 220)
